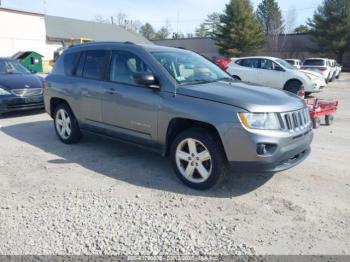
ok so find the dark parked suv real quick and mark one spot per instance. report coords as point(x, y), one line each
point(179, 104)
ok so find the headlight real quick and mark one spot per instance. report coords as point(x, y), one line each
point(265, 121)
point(3, 92)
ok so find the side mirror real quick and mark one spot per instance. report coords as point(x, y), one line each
point(146, 79)
point(33, 71)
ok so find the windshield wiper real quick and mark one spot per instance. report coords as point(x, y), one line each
point(196, 82)
point(228, 79)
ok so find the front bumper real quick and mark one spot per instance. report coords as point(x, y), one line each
point(289, 149)
point(14, 103)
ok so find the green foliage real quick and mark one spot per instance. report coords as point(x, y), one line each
point(209, 27)
point(147, 31)
point(330, 27)
point(301, 29)
point(270, 17)
point(239, 31)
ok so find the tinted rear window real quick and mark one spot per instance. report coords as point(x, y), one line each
point(95, 61)
point(314, 62)
point(70, 63)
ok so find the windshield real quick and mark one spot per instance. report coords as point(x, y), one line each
point(189, 68)
point(12, 67)
point(291, 62)
point(285, 64)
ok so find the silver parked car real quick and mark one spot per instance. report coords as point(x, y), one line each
point(179, 104)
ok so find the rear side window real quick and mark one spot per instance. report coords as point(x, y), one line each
point(314, 62)
point(252, 63)
point(95, 61)
point(70, 63)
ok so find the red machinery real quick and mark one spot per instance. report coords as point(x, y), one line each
point(321, 108)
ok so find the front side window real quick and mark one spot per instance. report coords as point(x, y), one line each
point(189, 68)
point(12, 67)
point(266, 64)
point(95, 61)
point(124, 65)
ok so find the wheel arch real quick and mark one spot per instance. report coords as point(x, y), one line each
point(178, 125)
point(54, 102)
point(291, 80)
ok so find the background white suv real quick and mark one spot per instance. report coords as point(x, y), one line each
point(294, 62)
point(320, 65)
point(274, 72)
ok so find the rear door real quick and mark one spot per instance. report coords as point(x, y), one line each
point(247, 70)
point(91, 70)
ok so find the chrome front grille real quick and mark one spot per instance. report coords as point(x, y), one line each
point(296, 120)
point(27, 92)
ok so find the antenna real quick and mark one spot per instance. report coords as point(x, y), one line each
point(44, 6)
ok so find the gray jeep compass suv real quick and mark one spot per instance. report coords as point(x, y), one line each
point(180, 104)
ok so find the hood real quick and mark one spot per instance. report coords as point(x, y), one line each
point(252, 98)
point(20, 81)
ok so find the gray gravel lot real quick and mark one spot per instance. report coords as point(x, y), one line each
point(105, 197)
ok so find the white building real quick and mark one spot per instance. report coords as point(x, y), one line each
point(28, 31)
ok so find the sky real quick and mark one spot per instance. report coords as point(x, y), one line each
point(183, 15)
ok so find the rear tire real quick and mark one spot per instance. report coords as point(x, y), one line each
point(198, 158)
point(66, 125)
point(293, 86)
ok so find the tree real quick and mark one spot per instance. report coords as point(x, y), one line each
point(209, 27)
point(270, 16)
point(239, 31)
point(301, 29)
point(330, 27)
point(163, 33)
point(147, 31)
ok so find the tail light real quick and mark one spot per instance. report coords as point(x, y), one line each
point(323, 68)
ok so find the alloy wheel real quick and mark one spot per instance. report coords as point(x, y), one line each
point(193, 160)
point(63, 124)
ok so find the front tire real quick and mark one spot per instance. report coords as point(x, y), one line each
point(293, 86)
point(66, 125)
point(198, 158)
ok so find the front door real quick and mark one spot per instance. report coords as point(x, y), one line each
point(129, 109)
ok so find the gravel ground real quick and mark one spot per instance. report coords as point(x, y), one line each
point(105, 197)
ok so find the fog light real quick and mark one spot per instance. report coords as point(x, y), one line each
point(261, 149)
point(265, 149)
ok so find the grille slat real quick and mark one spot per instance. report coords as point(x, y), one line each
point(296, 120)
point(27, 92)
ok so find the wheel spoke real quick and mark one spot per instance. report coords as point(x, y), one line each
point(192, 146)
point(59, 122)
point(190, 169)
point(204, 156)
point(68, 131)
point(202, 171)
point(183, 155)
point(63, 131)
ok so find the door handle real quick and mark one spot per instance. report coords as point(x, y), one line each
point(112, 91)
